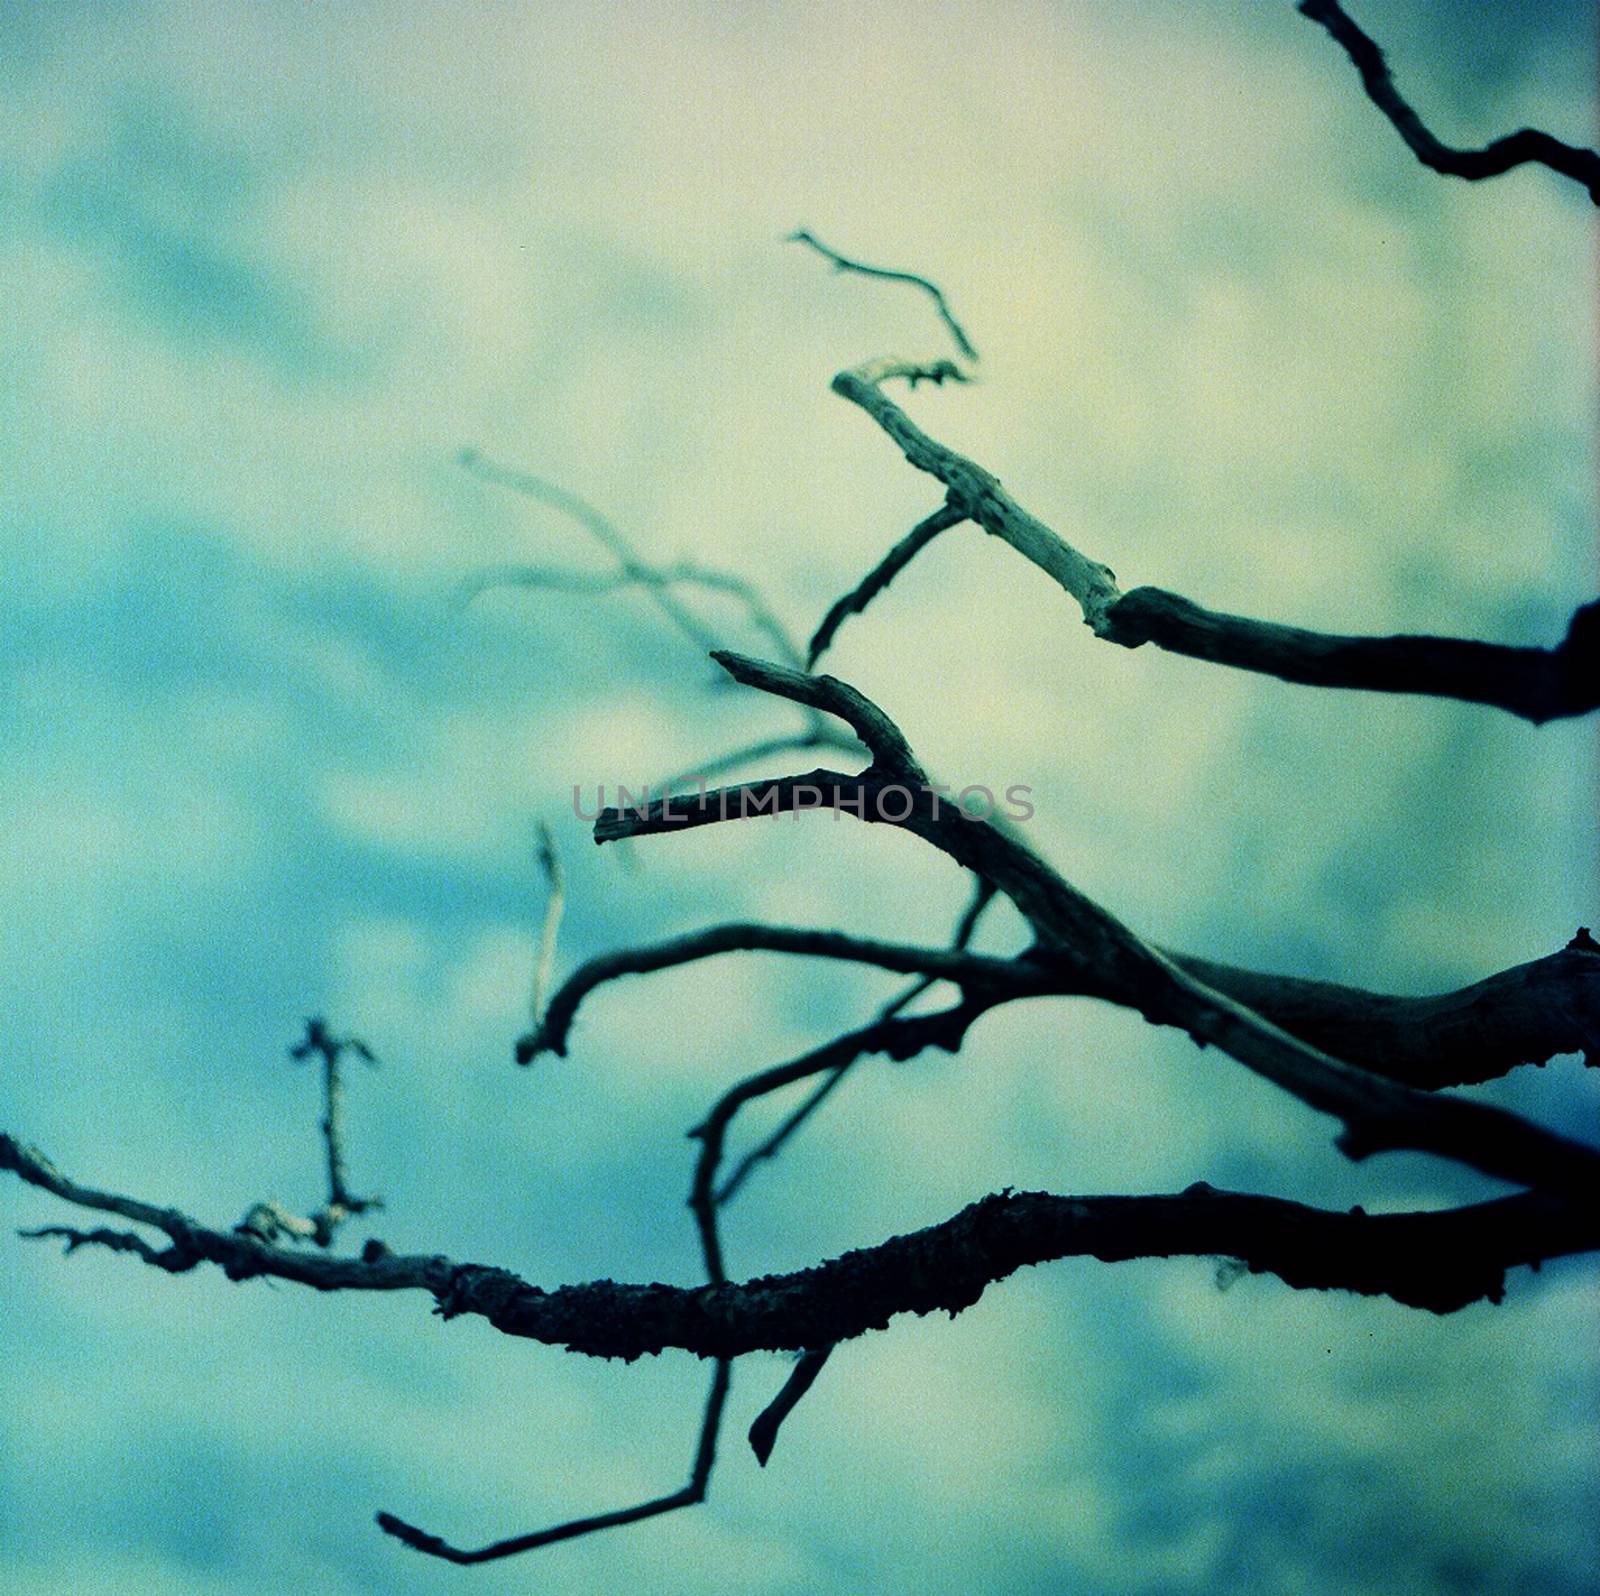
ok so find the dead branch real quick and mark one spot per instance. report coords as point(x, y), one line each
point(1111, 961)
point(843, 264)
point(976, 972)
point(342, 1204)
point(1440, 1261)
point(1515, 149)
point(1539, 684)
point(705, 1457)
point(880, 576)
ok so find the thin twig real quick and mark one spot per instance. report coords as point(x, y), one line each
point(971, 971)
point(880, 576)
point(694, 1492)
point(320, 1042)
point(843, 264)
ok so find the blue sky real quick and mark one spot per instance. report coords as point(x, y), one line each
point(269, 269)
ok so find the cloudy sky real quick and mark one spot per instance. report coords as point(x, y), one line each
point(269, 269)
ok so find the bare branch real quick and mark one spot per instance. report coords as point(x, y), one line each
point(880, 576)
point(820, 736)
point(1525, 145)
point(1537, 684)
point(1110, 961)
point(632, 573)
point(342, 1204)
point(764, 1432)
point(601, 529)
point(841, 263)
point(1440, 1261)
point(1524, 1015)
point(891, 753)
point(691, 1494)
point(971, 970)
point(773, 1143)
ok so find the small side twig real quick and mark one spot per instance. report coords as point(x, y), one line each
point(948, 514)
point(764, 1432)
point(342, 1204)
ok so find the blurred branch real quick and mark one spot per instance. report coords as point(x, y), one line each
point(1515, 149)
point(843, 264)
point(554, 906)
point(342, 1204)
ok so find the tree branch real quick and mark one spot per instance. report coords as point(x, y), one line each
point(1111, 961)
point(1524, 1015)
point(843, 264)
point(1525, 145)
point(977, 972)
point(880, 576)
point(1537, 684)
point(694, 1492)
point(1440, 1261)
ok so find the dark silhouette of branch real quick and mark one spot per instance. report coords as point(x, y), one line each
point(1111, 961)
point(764, 1432)
point(880, 576)
point(319, 1042)
point(970, 970)
point(1439, 1260)
point(1524, 1015)
point(1515, 149)
point(843, 264)
point(1539, 684)
point(705, 1456)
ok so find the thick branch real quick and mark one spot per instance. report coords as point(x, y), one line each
point(1524, 1015)
point(1439, 1261)
point(1535, 683)
point(1538, 684)
point(1525, 145)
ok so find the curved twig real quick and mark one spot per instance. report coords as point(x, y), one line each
point(694, 1492)
point(976, 972)
point(1515, 149)
point(843, 264)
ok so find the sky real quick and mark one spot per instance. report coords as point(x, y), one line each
point(269, 270)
